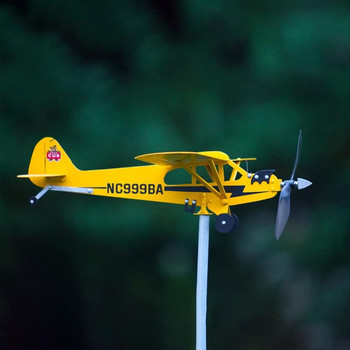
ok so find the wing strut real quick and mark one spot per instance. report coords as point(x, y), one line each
point(215, 176)
point(205, 183)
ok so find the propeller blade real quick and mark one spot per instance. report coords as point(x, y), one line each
point(297, 155)
point(283, 208)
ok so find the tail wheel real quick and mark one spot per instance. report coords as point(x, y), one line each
point(226, 223)
point(32, 201)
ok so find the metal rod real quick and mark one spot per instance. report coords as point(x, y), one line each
point(42, 192)
point(83, 190)
point(202, 282)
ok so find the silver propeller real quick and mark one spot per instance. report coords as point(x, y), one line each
point(284, 200)
point(300, 141)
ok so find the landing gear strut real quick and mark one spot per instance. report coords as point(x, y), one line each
point(226, 223)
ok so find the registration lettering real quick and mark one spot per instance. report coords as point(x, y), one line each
point(127, 188)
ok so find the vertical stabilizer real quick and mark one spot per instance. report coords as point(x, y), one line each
point(49, 158)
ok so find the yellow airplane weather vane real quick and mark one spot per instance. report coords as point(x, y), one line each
point(225, 185)
point(217, 184)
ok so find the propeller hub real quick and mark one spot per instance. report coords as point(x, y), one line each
point(289, 182)
point(302, 183)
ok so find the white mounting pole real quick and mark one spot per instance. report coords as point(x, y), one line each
point(202, 282)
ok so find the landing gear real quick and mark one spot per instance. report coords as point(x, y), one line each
point(226, 223)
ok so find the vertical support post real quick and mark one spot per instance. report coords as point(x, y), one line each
point(202, 282)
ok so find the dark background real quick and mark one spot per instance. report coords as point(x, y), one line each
point(114, 79)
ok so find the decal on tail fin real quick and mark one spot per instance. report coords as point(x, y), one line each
point(53, 154)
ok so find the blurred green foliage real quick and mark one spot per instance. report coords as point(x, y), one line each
point(114, 79)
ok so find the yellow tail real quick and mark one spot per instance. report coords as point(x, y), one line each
point(49, 162)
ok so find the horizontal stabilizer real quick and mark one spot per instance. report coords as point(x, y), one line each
point(27, 176)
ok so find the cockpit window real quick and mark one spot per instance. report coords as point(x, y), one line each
point(178, 177)
point(203, 173)
point(227, 172)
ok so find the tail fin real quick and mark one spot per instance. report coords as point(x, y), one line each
point(49, 161)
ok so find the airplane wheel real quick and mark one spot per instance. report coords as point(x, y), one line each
point(32, 201)
point(226, 223)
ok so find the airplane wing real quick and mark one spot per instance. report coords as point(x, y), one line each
point(188, 160)
point(184, 158)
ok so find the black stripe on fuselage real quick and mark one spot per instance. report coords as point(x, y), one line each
point(235, 190)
